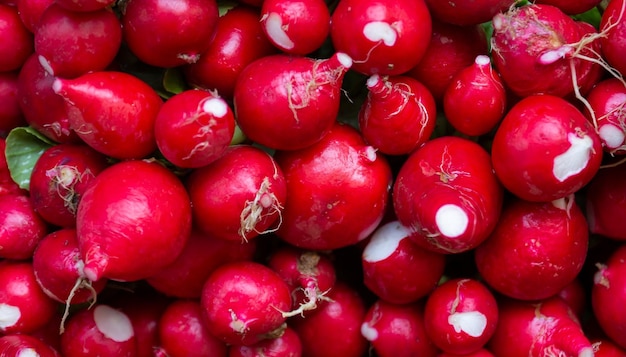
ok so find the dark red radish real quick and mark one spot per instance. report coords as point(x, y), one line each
point(202, 254)
point(545, 149)
point(607, 296)
point(173, 34)
point(397, 330)
point(243, 303)
point(7, 185)
point(540, 328)
point(480, 353)
point(238, 196)
point(460, 316)
point(183, 331)
point(70, 43)
point(297, 27)
point(113, 112)
point(301, 100)
point(604, 202)
point(334, 328)
point(381, 38)
point(536, 249)
point(337, 191)
point(464, 13)
point(17, 41)
point(607, 111)
point(575, 295)
point(22, 345)
point(49, 333)
point(605, 348)
point(30, 11)
point(21, 227)
point(24, 307)
point(571, 7)
point(10, 112)
point(132, 221)
point(85, 5)
point(99, 331)
point(613, 26)
point(476, 99)
point(238, 41)
point(287, 344)
point(398, 114)
point(447, 195)
point(60, 177)
point(397, 270)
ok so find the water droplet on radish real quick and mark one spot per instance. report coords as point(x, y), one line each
point(113, 323)
point(472, 323)
point(575, 159)
point(376, 31)
point(274, 28)
point(451, 220)
point(9, 315)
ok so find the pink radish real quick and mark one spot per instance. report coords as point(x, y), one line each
point(30, 11)
point(339, 177)
point(571, 7)
point(287, 344)
point(607, 102)
point(467, 13)
point(243, 303)
point(21, 227)
point(21, 345)
point(398, 114)
point(539, 167)
point(460, 316)
point(381, 38)
point(397, 270)
point(132, 221)
point(113, 112)
point(613, 25)
point(10, 112)
point(607, 295)
point(532, 261)
point(17, 40)
point(604, 198)
point(447, 195)
point(381, 328)
point(301, 102)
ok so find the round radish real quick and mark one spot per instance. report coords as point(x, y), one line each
point(613, 26)
point(21, 227)
point(536, 249)
point(21, 345)
point(545, 149)
point(17, 40)
point(10, 112)
point(571, 7)
point(287, 344)
point(447, 195)
point(608, 293)
point(337, 191)
point(132, 221)
point(605, 196)
point(607, 104)
point(382, 38)
point(301, 100)
point(463, 13)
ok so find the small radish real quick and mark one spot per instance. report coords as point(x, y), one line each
point(113, 112)
point(288, 344)
point(607, 296)
point(536, 249)
point(381, 328)
point(10, 112)
point(381, 38)
point(30, 11)
point(238, 196)
point(85, 5)
point(337, 191)
point(447, 195)
point(613, 26)
point(607, 111)
point(21, 227)
point(17, 40)
point(460, 316)
point(301, 100)
point(21, 345)
point(193, 128)
point(173, 34)
point(132, 221)
point(464, 13)
point(397, 270)
point(604, 197)
point(537, 166)
point(398, 114)
point(571, 7)
point(297, 27)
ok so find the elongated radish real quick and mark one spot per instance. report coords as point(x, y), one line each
point(604, 199)
point(608, 292)
point(287, 344)
point(22, 228)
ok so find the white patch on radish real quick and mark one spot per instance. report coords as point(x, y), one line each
point(472, 323)
point(344, 59)
point(215, 106)
point(373, 80)
point(9, 315)
point(367, 331)
point(482, 60)
point(45, 64)
point(612, 135)
point(575, 159)
point(377, 31)
point(586, 352)
point(370, 153)
point(384, 242)
point(113, 323)
point(28, 352)
point(552, 56)
point(276, 31)
point(451, 220)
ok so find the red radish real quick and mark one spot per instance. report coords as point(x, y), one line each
point(604, 197)
point(571, 7)
point(606, 348)
point(536, 166)
point(132, 221)
point(575, 295)
point(239, 40)
point(24, 307)
point(607, 102)
point(464, 13)
point(201, 255)
point(85, 5)
point(30, 11)
point(173, 34)
point(334, 328)
point(297, 27)
point(287, 344)
point(243, 303)
point(536, 249)
point(70, 43)
point(397, 330)
point(184, 332)
point(337, 191)
point(301, 100)
point(10, 112)
point(21, 345)
point(543, 328)
point(60, 177)
point(113, 112)
point(398, 114)
point(476, 99)
point(382, 38)
point(447, 195)
point(607, 296)
point(21, 228)
point(396, 269)
point(460, 316)
point(7, 185)
point(99, 331)
point(480, 353)
point(17, 40)
point(194, 128)
point(238, 196)
point(613, 26)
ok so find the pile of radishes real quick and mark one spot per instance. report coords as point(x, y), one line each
point(313, 178)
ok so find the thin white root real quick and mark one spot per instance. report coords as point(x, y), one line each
point(80, 283)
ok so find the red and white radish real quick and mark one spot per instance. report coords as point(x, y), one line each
point(287, 344)
point(22, 345)
point(465, 13)
point(21, 227)
point(17, 41)
point(607, 111)
point(604, 202)
point(613, 26)
point(608, 293)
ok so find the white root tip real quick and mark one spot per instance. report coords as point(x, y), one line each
point(113, 323)
point(377, 31)
point(57, 85)
point(372, 81)
point(482, 60)
point(586, 352)
point(384, 242)
point(276, 32)
point(575, 159)
point(612, 136)
point(367, 331)
point(215, 106)
point(472, 323)
point(451, 220)
point(344, 59)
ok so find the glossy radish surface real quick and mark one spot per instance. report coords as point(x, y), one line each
point(613, 25)
point(609, 287)
point(607, 101)
point(21, 227)
point(85, 5)
point(604, 203)
point(17, 44)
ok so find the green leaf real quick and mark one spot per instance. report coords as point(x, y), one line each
point(593, 17)
point(24, 146)
point(174, 81)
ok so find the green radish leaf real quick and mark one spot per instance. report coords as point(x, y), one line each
point(593, 17)
point(24, 146)
point(174, 81)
